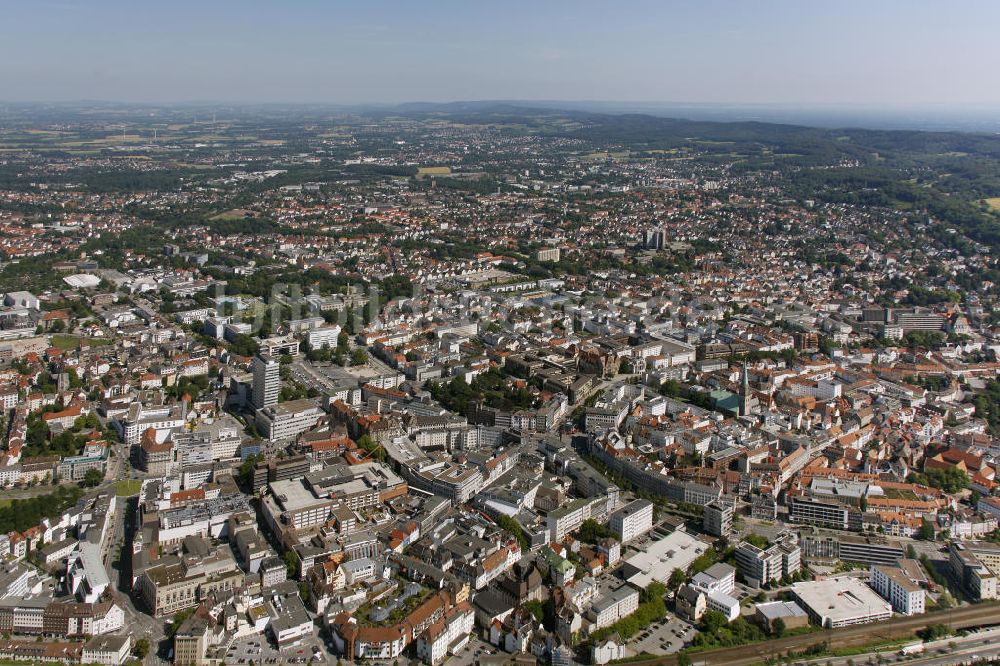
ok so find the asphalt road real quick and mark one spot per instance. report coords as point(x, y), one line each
point(946, 652)
point(118, 560)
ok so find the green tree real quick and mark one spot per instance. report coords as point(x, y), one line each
point(291, 563)
point(827, 346)
point(950, 480)
point(933, 632)
point(247, 467)
point(592, 531)
point(21, 514)
point(676, 579)
point(536, 608)
point(670, 388)
point(712, 621)
point(655, 591)
point(366, 443)
point(141, 648)
point(93, 478)
point(511, 526)
point(178, 619)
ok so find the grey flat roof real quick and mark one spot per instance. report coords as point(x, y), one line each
point(775, 609)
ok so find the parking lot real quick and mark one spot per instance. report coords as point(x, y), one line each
point(312, 376)
point(324, 376)
point(255, 649)
point(667, 636)
point(470, 654)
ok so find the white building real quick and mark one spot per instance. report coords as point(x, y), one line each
point(323, 337)
point(719, 577)
point(361, 569)
point(568, 518)
point(85, 572)
point(633, 520)
point(762, 566)
point(446, 636)
point(892, 583)
point(610, 649)
point(677, 550)
point(287, 419)
point(723, 603)
point(717, 518)
point(107, 650)
point(139, 418)
point(266, 381)
point(841, 602)
point(278, 346)
point(290, 622)
point(614, 606)
point(21, 299)
point(113, 620)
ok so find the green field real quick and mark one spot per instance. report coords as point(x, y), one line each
point(615, 155)
point(234, 214)
point(127, 487)
point(434, 171)
point(67, 342)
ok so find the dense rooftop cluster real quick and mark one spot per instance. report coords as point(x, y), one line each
point(328, 387)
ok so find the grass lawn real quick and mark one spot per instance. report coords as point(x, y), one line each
point(434, 171)
point(127, 487)
point(67, 342)
point(993, 203)
point(4, 503)
point(233, 214)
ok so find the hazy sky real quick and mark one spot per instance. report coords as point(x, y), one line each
point(869, 52)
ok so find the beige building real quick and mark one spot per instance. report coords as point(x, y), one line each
point(191, 642)
point(167, 588)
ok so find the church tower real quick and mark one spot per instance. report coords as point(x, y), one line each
point(745, 396)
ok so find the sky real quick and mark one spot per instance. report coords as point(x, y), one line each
point(875, 53)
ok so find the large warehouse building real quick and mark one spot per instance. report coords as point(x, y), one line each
point(841, 602)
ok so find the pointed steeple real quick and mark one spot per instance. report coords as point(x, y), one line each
point(745, 397)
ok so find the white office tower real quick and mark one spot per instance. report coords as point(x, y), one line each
point(266, 381)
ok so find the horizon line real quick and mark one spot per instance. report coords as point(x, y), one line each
point(959, 106)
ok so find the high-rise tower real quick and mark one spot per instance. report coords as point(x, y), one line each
point(266, 381)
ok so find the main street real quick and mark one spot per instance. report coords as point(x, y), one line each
point(118, 557)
